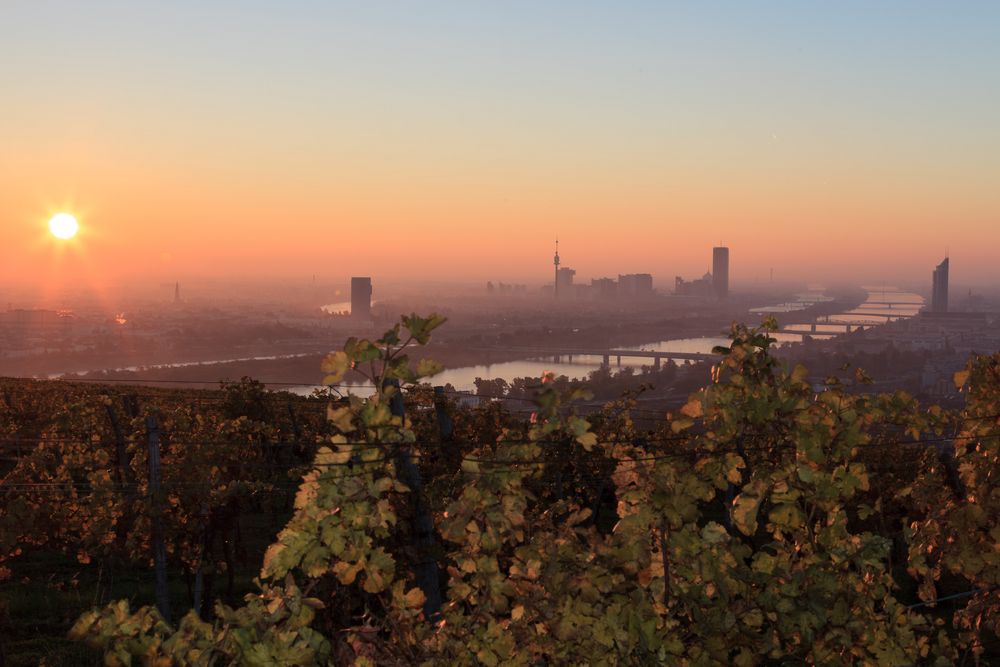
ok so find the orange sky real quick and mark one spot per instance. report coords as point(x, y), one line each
point(457, 145)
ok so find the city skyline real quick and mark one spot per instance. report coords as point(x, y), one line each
point(458, 332)
point(855, 141)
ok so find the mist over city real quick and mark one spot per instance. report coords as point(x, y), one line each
point(499, 333)
point(202, 332)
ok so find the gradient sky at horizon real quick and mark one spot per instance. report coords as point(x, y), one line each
point(456, 140)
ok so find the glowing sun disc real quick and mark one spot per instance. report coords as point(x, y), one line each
point(63, 226)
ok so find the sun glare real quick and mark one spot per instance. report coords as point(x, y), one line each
point(63, 226)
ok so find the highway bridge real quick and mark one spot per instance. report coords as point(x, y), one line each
point(816, 325)
point(906, 305)
point(558, 354)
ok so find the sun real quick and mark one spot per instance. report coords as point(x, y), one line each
point(63, 226)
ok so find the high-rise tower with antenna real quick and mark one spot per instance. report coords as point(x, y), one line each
point(555, 261)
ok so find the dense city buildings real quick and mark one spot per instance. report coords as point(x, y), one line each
point(604, 288)
point(939, 291)
point(629, 285)
point(714, 283)
point(720, 271)
point(20, 325)
point(635, 284)
point(361, 297)
point(564, 280)
point(698, 287)
point(504, 288)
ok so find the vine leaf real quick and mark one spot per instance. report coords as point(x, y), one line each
point(746, 506)
point(335, 365)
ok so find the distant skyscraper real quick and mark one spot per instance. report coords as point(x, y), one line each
point(361, 297)
point(564, 280)
point(720, 271)
point(177, 292)
point(939, 292)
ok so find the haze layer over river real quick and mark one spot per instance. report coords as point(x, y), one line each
point(881, 305)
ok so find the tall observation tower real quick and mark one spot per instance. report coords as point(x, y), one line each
point(555, 261)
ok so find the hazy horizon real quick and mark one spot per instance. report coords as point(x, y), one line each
point(263, 261)
point(826, 142)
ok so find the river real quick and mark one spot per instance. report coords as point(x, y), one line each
point(881, 305)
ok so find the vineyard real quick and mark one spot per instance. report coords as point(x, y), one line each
point(764, 522)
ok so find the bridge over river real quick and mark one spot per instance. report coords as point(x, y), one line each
point(558, 354)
